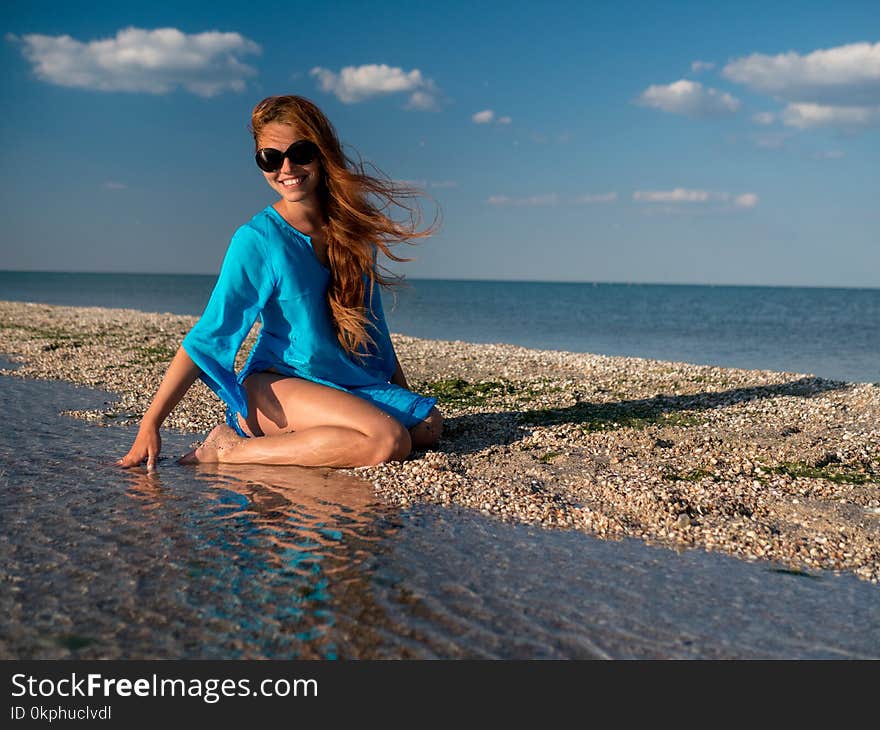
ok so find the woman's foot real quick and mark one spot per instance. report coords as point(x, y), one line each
point(220, 439)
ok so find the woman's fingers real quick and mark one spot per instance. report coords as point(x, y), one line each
point(132, 459)
point(127, 461)
point(146, 445)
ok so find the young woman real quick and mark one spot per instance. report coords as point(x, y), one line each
point(322, 386)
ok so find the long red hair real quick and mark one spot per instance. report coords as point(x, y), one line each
point(353, 203)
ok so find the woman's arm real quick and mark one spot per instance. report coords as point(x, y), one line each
point(244, 285)
point(181, 374)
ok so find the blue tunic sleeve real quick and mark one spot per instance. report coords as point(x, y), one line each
point(243, 287)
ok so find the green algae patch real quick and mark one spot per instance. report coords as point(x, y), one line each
point(837, 473)
point(57, 338)
point(458, 391)
point(155, 354)
point(610, 416)
point(693, 475)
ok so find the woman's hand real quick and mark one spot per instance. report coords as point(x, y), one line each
point(147, 445)
point(181, 374)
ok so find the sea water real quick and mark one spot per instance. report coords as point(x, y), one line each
point(831, 333)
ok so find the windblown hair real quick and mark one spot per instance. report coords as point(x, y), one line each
point(352, 204)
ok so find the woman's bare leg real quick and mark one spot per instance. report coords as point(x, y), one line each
point(296, 421)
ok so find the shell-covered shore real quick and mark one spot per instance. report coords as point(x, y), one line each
point(764, 465)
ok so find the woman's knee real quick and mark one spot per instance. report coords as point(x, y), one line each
point(391, 442)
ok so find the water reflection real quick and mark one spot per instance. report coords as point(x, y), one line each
point(146, 487)
point(287, 543)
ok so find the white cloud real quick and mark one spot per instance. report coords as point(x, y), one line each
point(422, 101)
point(137, 60)
point(549, 199)
point(746, 200)
point(679, 195)
point(764, 118)
point(698, 66)
point(846, 75)
point(689, 98)
point(356, 83)
point(830, 155)
point(808, 116)
point(683, 195)
point(661, 201)
point(114, 185)
point(592, 198)
point(487, 116)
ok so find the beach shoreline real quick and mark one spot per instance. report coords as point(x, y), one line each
point(762, 465)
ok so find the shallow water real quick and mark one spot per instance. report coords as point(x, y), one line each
point(282, 562)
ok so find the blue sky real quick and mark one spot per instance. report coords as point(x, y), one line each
point(681, 142)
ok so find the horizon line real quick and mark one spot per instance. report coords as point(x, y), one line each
point(594, 282)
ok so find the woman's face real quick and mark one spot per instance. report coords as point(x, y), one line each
point(294, 183)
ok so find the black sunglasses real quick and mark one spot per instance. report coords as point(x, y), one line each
point(299, 153)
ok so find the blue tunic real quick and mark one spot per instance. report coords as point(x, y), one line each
point(270, 270)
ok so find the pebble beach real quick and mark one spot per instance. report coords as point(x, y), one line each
point(761, 465)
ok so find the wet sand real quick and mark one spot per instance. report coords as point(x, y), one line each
point(762, 465)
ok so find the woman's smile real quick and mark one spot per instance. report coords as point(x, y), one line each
point(292, 182)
